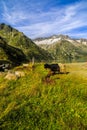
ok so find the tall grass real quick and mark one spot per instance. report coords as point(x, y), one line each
point(34, 103)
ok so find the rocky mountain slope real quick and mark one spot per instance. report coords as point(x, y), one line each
point(63, 48)
point(56, 38)
point(17, 41)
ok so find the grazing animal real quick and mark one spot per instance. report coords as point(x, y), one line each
point(53, 67)
point(2, 68)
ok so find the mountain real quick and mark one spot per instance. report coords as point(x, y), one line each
point(9, 53)
point(63, 48)
point(17, 40)
point(56, 38)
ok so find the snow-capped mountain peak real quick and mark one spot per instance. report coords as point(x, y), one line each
point(56, 38)
point(52, 39)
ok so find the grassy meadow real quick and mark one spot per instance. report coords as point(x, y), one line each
point(33, 102)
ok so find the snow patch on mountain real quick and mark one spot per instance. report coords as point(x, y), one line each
point(56, 38)
point(47, 41)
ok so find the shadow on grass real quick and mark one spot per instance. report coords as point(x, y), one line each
point(47, 79)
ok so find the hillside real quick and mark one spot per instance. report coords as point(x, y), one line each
point(9, 53)
point(63, 48)
point(18, 40)
point(32, 102)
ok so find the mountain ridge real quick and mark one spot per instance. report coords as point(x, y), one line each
point(56, 38)
point(60, 48)
point(10, 53)
point(19, 40)
point(63, 48)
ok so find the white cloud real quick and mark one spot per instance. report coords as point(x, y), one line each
point(13, 15)
point(36, 22)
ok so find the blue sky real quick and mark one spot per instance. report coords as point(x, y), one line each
point(42, 18)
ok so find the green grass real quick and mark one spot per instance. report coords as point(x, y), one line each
point(34, 103)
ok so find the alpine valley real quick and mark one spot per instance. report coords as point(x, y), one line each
point(17, 48)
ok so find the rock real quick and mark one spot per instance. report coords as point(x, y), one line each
point(14, 75)
point(11, 76)
point(19, 74)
